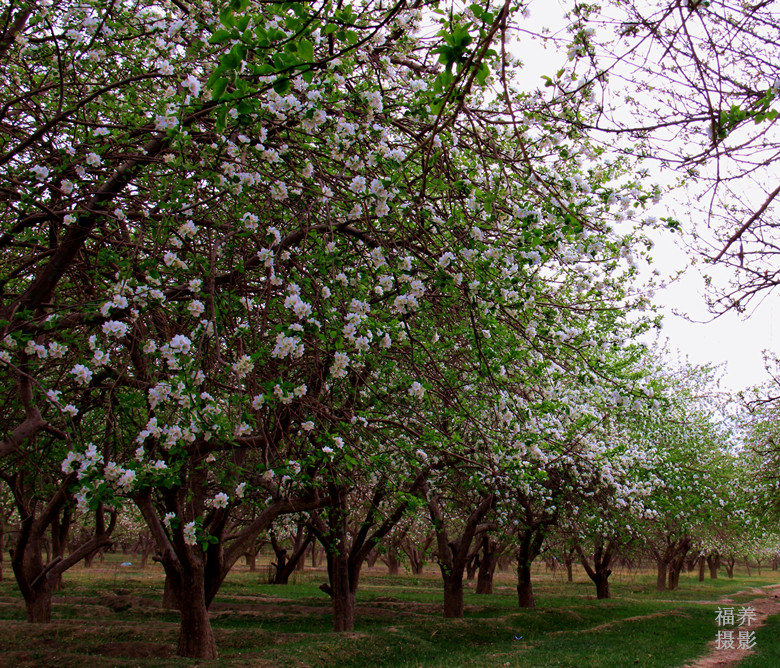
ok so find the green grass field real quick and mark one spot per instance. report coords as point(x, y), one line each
point(110, 615)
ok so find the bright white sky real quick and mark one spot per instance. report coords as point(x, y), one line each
point(734, 341)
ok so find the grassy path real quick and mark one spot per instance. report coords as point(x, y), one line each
point(724, 657)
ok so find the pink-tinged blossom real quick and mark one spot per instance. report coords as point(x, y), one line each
point(218, 501)
point(339, 367)
point(192, 85)
point(417, 390)
point(196, 307)
point(115, 328)
point(180, 344)
point(40, 172)
point(82, 373)
point(189, 534)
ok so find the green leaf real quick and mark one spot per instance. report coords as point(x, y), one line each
point(219, 36)
point(306, 50)
point(218, 89)
point(282, 85)
point(226, 17)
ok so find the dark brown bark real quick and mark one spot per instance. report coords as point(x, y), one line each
point(602, 583)
point(251, 560)
point(345, 558)
point(169, 600)
point(417, 552)
point(287, 563)
point(531, 540)
point(391, 557)
point(453, 595)
point(702, 561)
point(525, 591)
point(454, 554)
point(599, 573)
point(315, 556)
point(713, 562)
point(196, 638)
point(729, 565)
point(37, 578)
point(661, 571)
point(568, 560)
point(487, 564)
point(678, 561)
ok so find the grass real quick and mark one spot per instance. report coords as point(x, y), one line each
point(110, 615)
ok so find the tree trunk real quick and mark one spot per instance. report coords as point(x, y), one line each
point(487, 567)
point(569, 568)
point(453, 595)
point(485, 578)
point(315, 557)
point(2, 546)
point(525, 592)
point(701, 568)
point(251, 560)
point(343, 595)
point(38, 605)
point(169, 600)
point(661, 569)
point(713, 562)
point(472, 566)
point(196, 638)
point(747, 566)
point(602, 583)
point(392, 562)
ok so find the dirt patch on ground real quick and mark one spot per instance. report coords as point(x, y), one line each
point(135, 650)
point(617, 622)
point(767, 605)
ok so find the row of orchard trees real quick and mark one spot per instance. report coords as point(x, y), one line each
point(272, 258)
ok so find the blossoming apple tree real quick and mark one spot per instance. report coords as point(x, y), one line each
point(248, 246)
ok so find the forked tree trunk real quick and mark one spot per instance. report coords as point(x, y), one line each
point(454, 554)
point(602, 583)
point(677, 563)
point(713, 562)
point(487, 566)
point(391, 559)
point(600, 571)
point(531, 540)
point(472, 565)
